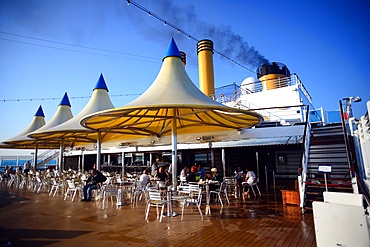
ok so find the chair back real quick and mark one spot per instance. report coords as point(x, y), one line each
point(155, 195)
point(71, 184)
point(111, 189)
point(194, 187)
point(199, 198)
point(229, 181)
point(223, 186)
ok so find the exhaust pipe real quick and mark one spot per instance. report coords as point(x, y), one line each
point(205, 65)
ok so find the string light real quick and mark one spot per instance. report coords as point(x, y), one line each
point(75, 97)
point(180, 31)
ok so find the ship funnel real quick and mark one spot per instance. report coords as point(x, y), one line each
point(273, 75)
point(183, 58)
point(205, 65)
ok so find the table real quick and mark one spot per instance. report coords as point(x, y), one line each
point(170, 190)
point(125, 188)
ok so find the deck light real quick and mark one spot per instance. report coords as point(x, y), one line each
point(349, 101)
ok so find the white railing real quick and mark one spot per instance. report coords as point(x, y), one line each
point(362, 135)
point(302, 177)
point(46, 156)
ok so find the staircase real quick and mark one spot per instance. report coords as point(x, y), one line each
point(327, 146)
point(46, 157)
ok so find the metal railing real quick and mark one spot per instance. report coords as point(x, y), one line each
point(302, 170)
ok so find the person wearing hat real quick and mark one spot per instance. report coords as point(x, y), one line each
point(216, 178)
point(215, 175)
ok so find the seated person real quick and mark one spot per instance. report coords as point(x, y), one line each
point(184, 174)
point(250, 178)
point(162, 175)
point(201, 171)
point(144, 178)
point(213, 176)
point(192, 177)
point(93, 183)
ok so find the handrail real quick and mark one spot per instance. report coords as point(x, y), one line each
point(302, 170)
point(304, 138)
point(350, 160)
point(363, 188)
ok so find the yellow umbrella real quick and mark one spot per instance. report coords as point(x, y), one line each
point(172, 105)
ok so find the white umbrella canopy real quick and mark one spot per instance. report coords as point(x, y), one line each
point(22, 141)
point(171, 105)
point(63, 114)
point(171, 97)
point(71, 132)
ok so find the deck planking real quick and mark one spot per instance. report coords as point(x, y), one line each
point(31, 219)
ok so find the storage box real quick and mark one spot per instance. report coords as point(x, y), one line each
point(290, 197)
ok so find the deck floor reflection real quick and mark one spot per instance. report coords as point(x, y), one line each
point(31, 219)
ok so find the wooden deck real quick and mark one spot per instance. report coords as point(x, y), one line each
point(31, 219)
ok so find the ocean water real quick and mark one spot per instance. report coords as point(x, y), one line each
point(13, 163)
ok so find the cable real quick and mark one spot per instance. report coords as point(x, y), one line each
point(78, 51)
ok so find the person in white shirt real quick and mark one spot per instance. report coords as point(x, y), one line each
point(184, 174)
point(144, 178)
point(154, 168)
point(250, 178)
point(27, 167)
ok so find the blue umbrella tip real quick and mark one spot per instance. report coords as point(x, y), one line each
point(172, 50)
point(101, 83)
point(65, 100)
point(40, 112)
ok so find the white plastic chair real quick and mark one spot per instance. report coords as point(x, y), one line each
point(111, 191)
point(247, 185)
point(72, 189)
point(54, 187)
point(232, 187)
point(218, 191)
point(11, 180)
point(39, 184)
point(155, 200)
point(138, 192)
point(195, 198)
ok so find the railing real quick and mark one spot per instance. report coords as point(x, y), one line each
point(46, 156)
point(302, 176)
point(357, 180)
point(232, 95)
point(350, 155)
point(232, 92)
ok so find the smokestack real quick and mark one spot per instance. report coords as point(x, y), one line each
point(205, 65)
point(273, 75)
point(183, 58)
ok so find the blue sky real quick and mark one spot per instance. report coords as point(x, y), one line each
point(51, 47)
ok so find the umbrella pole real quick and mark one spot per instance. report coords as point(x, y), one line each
point(174, 152)
point(35, 158)
point(61, 152)
point(98, 151)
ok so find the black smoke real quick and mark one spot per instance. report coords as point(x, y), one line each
point(225, 40)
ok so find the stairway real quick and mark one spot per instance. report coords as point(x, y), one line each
point(327, 146)
point(46, 157)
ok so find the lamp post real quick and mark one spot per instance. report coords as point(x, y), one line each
point(349, 101)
